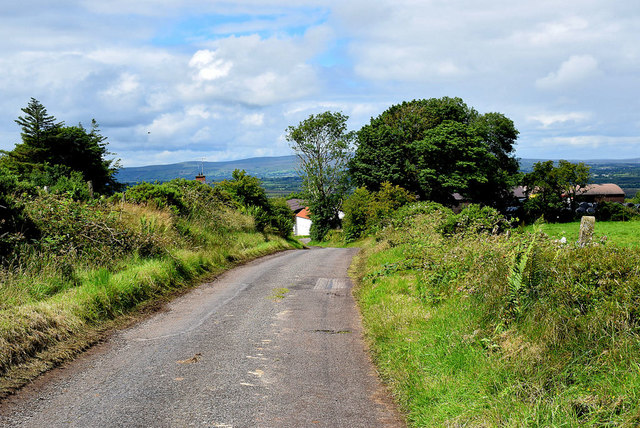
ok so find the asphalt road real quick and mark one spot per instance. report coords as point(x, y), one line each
point(238, 352)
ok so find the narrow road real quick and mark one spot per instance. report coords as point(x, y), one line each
point(274, 343)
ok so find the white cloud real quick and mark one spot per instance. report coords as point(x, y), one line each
point(209, 67)
point(255, 119)
point(574, 70)
point(549, 119)
point(126, 84)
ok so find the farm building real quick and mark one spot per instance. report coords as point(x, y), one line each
point(607, 192)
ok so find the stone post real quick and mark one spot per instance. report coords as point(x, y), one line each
point(587, 224)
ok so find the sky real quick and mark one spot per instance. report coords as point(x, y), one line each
point(178, 80)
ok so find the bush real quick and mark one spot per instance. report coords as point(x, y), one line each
point(156, 195)
point(365, 212)
point(15, 226)
point(614, 211)
point(356, 214)
point(476, 219)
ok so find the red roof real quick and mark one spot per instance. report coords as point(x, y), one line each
point(304, 213)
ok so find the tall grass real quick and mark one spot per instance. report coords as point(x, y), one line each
point(509, 329)
point(96, 262)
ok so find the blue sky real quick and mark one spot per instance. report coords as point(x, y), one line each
point(176, 80)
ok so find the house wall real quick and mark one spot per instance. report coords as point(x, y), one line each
point(302, 226)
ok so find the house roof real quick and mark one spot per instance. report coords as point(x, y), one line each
point(296, 204)
point(520, 192)
point(304, 213)
point(609, 189)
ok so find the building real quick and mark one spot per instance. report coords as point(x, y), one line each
point(607, 192)
point(302, 226)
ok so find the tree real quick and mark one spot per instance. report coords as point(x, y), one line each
point(323, 146)
point(549, 187)
point(51, 149)
point(36, 124)
point(270, 215)
point(436, 147)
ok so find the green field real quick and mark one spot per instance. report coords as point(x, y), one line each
point(621, 233)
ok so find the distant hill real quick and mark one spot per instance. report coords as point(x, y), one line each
point(279, 174)
point(264, 167)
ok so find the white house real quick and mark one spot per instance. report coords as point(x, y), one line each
point(302, 226)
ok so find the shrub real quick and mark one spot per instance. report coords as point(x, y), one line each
point(15, 227)
point(356, 214)
point(365, 212)
point(614, 211)
point(156, 195)
point(476, 219)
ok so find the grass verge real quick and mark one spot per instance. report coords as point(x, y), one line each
point(38, 335)
point(477, 329)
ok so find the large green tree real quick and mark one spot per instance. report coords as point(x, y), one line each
point(49, 147)
point(436, 147)
point(549, 187)
point(323, 147)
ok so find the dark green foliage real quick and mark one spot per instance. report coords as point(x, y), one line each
point(613, 211)
point(15, 226)
point(54, 150)
point(282, 218)
point(436, 147)
point(248, 194)
point(244, 189)
point(323, 147)
point(158, 195)
point(356, 214)
point(549, 186)
point(72, 230)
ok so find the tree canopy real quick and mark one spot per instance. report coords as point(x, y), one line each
point(436, 147)
point(51, 148)
point(549, 186)
point(323, 147)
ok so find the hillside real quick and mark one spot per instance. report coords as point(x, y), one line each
point(279, 174)
point(263, 167)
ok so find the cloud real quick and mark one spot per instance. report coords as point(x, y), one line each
point(592, 141)
point(574, 70)
point(549, 119)
point(227, 78)
point(255, 119)
point(252, 70)
point(208, 66)
point(127, 84)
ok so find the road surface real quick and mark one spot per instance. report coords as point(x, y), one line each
point(274, 343)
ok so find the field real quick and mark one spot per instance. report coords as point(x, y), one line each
point(620, 233)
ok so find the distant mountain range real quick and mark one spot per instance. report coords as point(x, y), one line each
point(264, 167)
point(280, 177)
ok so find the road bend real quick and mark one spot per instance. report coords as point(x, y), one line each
point(274, 343)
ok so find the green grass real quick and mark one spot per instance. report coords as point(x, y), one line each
point(621, 233)
point(483, 330)
point(53, 304)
